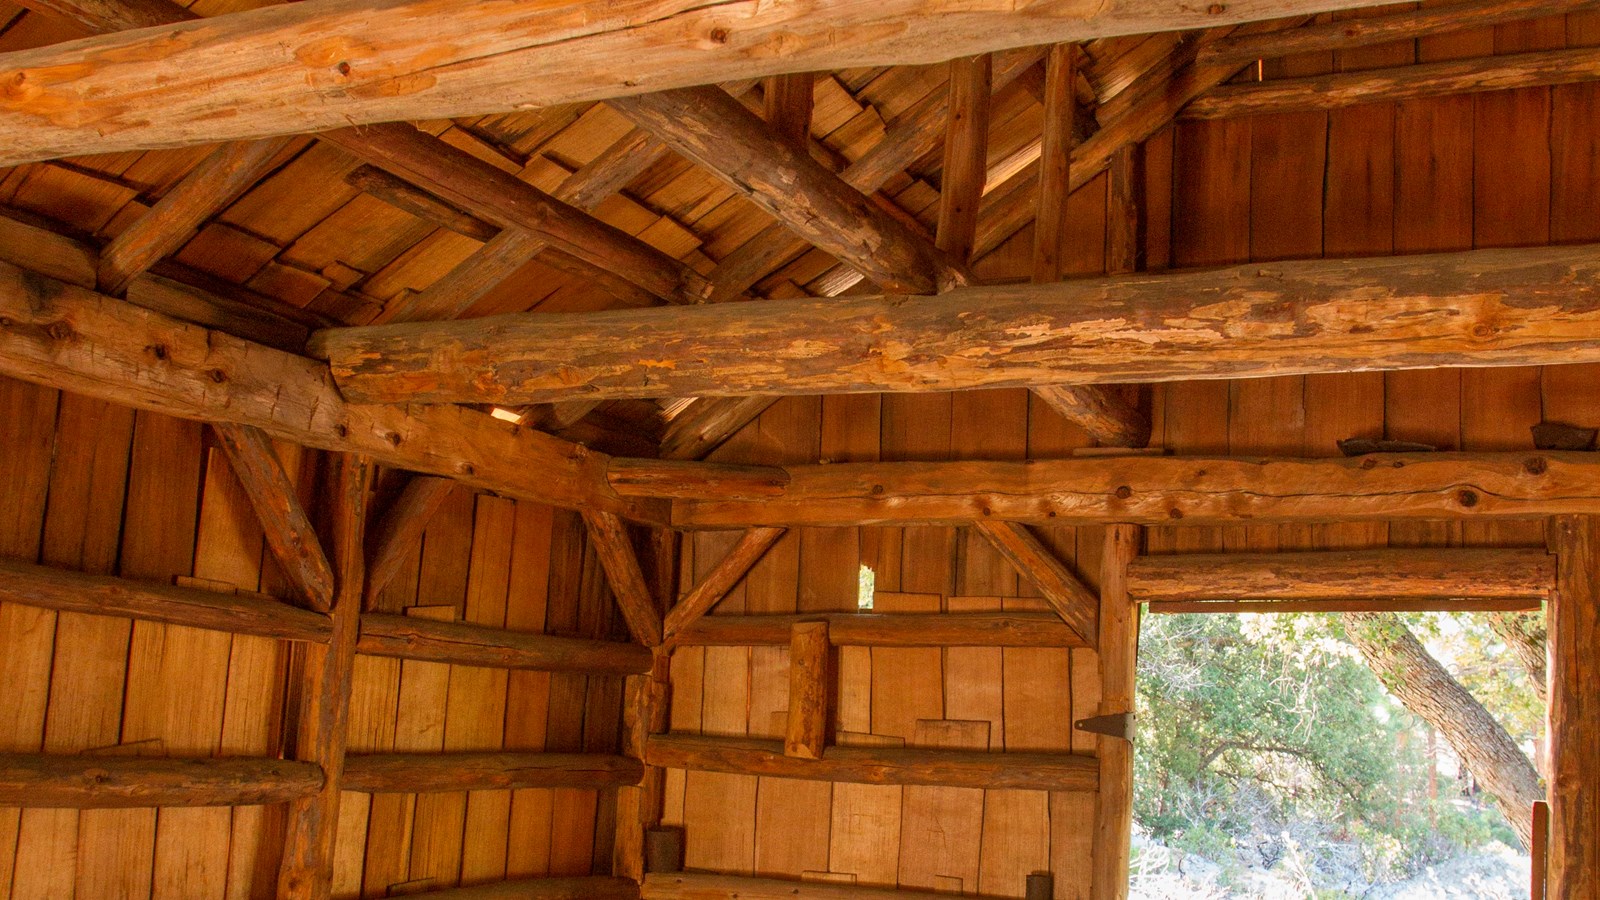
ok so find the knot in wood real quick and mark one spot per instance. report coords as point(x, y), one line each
point(1536, 465)
point(1468, 499)
point(218, 376)
point(1123, 492)
point(60, 331)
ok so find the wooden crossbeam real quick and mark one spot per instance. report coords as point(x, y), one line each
point(1344, 575)
point(877, 765)
point(609, 535)
point(1476, 308)
point(1404, 24)
point(289, 532)
point(1067, 595)
point(101, 94)
point(1154, 490)
point(1461, 76)
point(307, 867)
point(1013, 629)
point(462, 643)
point(721, 579)
point(676, 478)
point(110, 782)
point(574, 887)
point(711, 886)
point(398, 532)
point(407, 773)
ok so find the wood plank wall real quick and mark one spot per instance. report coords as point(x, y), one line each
point(1501, 169)
point(95, 487)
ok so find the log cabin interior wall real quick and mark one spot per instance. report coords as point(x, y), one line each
point(92, 486)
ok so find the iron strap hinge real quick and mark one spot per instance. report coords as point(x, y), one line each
point(1117, 725)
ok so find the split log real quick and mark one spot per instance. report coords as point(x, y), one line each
point(1573, 717)
point(409, 637)
point(609, 535)
point(720, 580)
point(114, 782)
point(406, 773)
point(1014, 629)
point(295, 68)
point(1460, 76)
point(78, 340)
point(697, 886)
point(276, 501)
point(1478, 308)
point(103, 595)
point(1152, 490)
point(1073, 602)
point(1356, 575)
point(578, 887)
point(877, 765)
point(809, 690)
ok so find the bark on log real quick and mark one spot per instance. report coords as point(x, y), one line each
point(720, 580)
point(1358, 574)
point(1573, 717)
point(114, 782)
point(1477, 308)
point(809, 690)
point(407, 637)
point(1016, 629)
point(405, 773)
point(878, 765)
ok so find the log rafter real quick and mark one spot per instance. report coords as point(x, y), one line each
point(289, 532)
point(727, 573)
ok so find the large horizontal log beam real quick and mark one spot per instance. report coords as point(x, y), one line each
point(703, 886)
point(332, 63)
point(1460, 76)
point(877, 765)
point(1477, 308)
point(114, 782)
point(576, 887)
point(407, 637)
point(1013, 629)
point(1167, 490)
point(75, 339)
point(1355, 575)
point(407, 773)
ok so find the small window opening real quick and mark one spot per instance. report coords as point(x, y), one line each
point(866, 586)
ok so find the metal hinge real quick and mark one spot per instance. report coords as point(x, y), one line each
point(1117, 725)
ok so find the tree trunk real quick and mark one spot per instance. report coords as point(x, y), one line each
point(1524, 634)
point(1429, 692)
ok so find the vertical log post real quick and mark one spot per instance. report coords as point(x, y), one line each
point(307, 869)
point(1119, 645)
point(965, 155)
point(1574, 710)
point(645, 712)
point(808, 690)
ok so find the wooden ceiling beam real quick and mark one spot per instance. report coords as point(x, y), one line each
point(1513, 307)
point(716, 131)
point(433, 773)
point(1460, 76)
point(1514, 574)
point(609, 534)
point(276, 501)
point(307, 67)
point(78, 340)
point(120, 782)
point(1155, 490)
point(703, 597)
point(854, 629)
point(1405, 24)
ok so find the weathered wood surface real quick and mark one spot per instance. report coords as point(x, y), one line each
point(1336, 605)
point(114, 15)
point(404, 195)
point(1151, 490)
point(1012, 629)
point(1404, 24)
point(1478, 308)
point(409, 637)
point(609, 536)
point(678, 478)
point(1573, 716)
point(810, 690)
point(399, 531)
point(254, 614)
point(711, 128)
point(407, 773)
point(966, 155)
point(877, 765)
point(1055, 162)
point(1064, 591)
point(576, 887)
point(297, 68)
point(1491, 73)
point(1356, 574)
point(112, 782)
point(1118, 646)
point(788, 101)
point(289, 532)
point(697, 886)
point(720, 580)
point(75, 339)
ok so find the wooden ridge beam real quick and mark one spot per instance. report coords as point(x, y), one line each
point(711, 128)
point(701, 598)
point(572, 887)
point(406, 773)
point(609, 534)
point(877, 765)
point(1405, 24)
point(1461, 76)
point(1345, 575)
point(399, 530)
point(410, 637)
point(1062, 590)
point(1013, 629)
point(1475, 308)
point(1164, 490)
point(711, 886)
point(297, 68)
point(116, 782)
point(78, 340)
point(289, 532)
